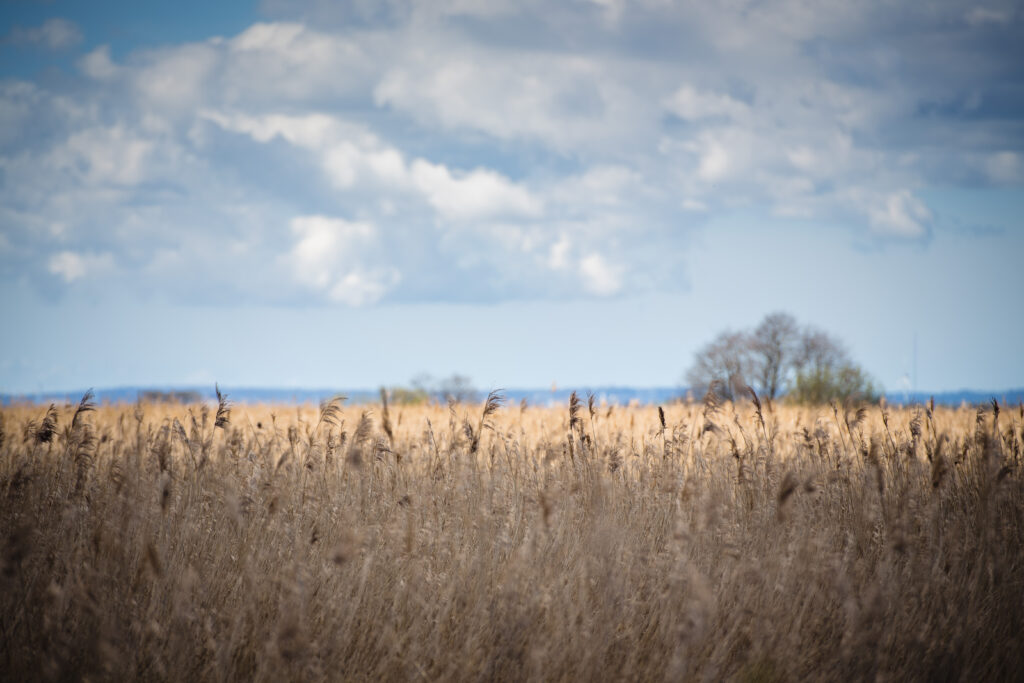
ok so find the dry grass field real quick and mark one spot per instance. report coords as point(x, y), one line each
point(482, 542)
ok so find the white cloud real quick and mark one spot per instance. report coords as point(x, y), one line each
point(600, 277)
point(902, 215)
point(582, 151)
point(604, 185)
point(714, 161)
point(477, 194)
point(803, 158)
point(310, 131)
point(350, 154)
point(267, 64)
point(328, 256)
point(274, 62)
point(71, 266)
point(361, 288)
point(347, 152)
point(274, 37)
point(19, 103)
point(176, 79)
point(111, 155)
point(691, 104)
point(98, 64)
point(558, 254)
point(321, 243)
point(563, 101)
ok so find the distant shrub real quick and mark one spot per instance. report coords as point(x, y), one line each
point(845, 382)
point(408, 396)
point(153, 396)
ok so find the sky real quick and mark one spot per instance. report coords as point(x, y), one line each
point(349, 194)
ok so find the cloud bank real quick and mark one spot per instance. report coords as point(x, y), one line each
point(358, 153)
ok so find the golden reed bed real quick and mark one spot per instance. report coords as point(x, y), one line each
point(480, 542)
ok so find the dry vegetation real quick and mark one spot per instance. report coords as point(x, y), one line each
point(704, 542)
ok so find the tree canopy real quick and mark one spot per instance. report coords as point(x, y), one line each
point(779, 357)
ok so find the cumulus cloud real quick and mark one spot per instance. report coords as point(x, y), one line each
point(599, 276)
point(71, 266)
point(103, 155)
point(365, 152)
point(566, 102)
point(175, 79)
point(901, 214)
point(310, 131)
point(98, 64)
point(288, 61)
point(691, 104)
point(350, 154)
point(558, 253)
point(475, 194)
point(330, 256)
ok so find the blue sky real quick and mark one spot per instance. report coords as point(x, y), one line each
point(349, 194)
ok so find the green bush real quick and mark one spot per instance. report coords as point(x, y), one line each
point(845, 382)
point(408, 396)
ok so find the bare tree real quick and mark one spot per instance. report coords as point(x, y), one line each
point(806, 364)
point(725, 359)
point(458, 388)
point(818, 351)
point(775, 345)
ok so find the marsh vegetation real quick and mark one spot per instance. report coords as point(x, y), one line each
point(710, 541)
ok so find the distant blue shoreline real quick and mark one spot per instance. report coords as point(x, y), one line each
point(619, 395)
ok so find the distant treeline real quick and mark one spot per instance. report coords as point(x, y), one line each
point(158, 396)
point(613, 395)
